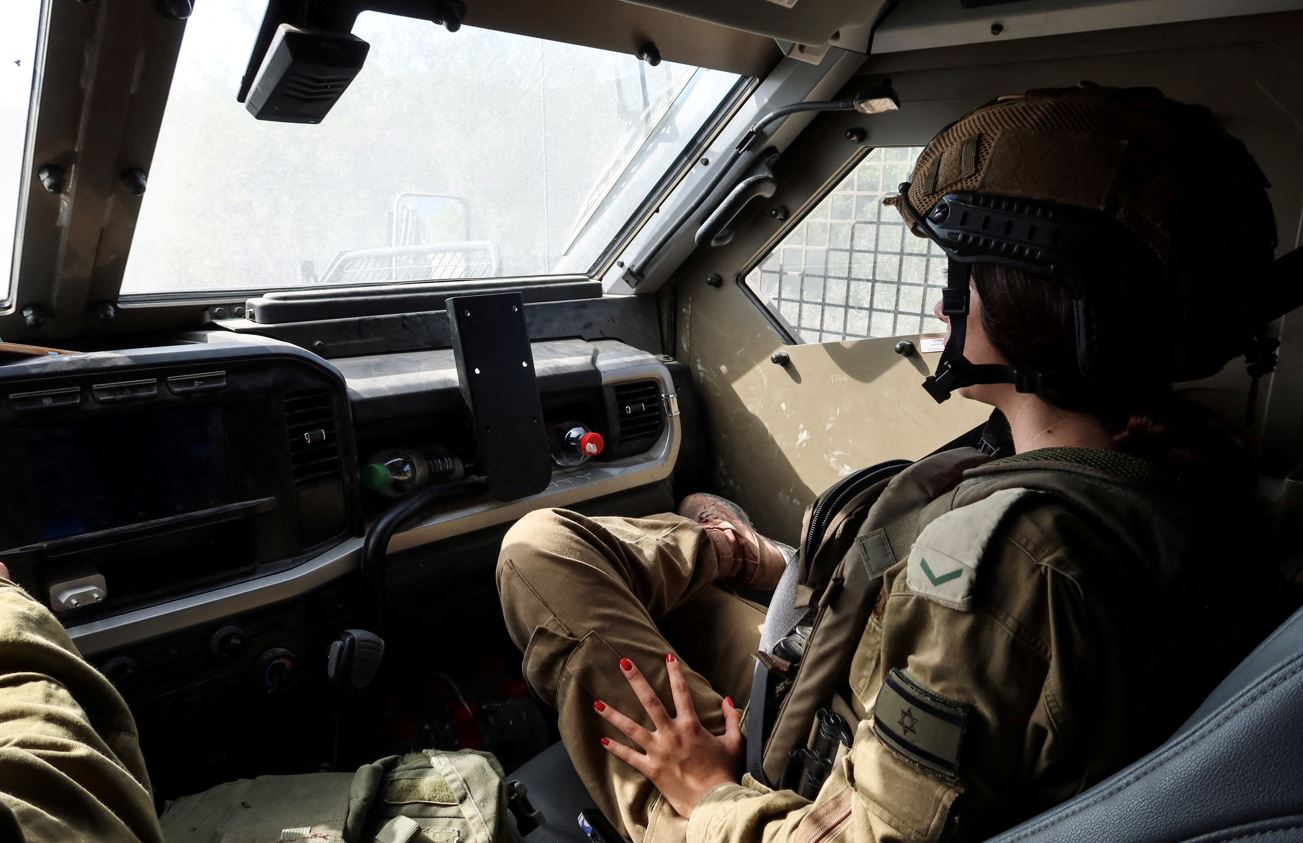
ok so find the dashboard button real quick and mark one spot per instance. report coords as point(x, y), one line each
point(198, 382)
point(228, 643)
point(125, 390)
point(46, 399)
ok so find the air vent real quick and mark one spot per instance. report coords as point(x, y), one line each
point(310, 424)
point(639, 413)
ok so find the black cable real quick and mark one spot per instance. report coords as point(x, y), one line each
point(376, 545)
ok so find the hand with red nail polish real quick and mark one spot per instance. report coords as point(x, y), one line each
point(679, 756)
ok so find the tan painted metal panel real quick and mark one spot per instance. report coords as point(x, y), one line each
point(782, 434)
point(780, 437)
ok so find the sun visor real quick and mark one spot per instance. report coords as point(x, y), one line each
point(739, 37)
point(815, 23)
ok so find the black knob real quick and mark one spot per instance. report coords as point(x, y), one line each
point(780, 358)
point(277, 669)
point(123, 672)
point(905, 348)
point(228, 643)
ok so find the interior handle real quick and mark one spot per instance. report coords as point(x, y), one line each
point(717, 230)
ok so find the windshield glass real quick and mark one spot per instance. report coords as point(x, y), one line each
point(17, 60)
point(452, 155)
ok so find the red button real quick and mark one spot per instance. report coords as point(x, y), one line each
point(591, 444)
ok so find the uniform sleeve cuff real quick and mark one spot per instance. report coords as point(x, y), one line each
point(713, 810)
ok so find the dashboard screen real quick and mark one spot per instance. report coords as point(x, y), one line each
point(105, 472)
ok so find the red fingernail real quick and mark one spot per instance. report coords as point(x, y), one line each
point(669, 657)
point(729, 700)
point(606, 741)
point(626, 665)
point(599, 705)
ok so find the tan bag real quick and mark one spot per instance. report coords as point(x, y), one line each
point(422, 797)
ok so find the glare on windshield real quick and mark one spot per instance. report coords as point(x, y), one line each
point(452, 155)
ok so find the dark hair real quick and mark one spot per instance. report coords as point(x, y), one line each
point(1030, 320)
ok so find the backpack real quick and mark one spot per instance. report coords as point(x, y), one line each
point(425, 796)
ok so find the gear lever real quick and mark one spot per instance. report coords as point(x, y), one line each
point(351, 665)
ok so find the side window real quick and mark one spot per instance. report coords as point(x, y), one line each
point(851, 269)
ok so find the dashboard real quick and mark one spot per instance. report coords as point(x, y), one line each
point(193, 514)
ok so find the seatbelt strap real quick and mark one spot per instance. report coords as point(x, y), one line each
point(781, 617)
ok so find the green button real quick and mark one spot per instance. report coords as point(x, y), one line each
point(375, 476)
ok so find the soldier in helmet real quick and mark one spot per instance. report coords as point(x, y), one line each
point(996, 634)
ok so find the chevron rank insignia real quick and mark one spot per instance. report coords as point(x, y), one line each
point(943, 561)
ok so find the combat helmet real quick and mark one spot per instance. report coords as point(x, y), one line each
point(1155, 219)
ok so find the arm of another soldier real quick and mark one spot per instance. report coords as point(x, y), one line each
point(965, 668)
point(70, 763)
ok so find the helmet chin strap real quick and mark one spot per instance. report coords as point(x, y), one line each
point(954, 370)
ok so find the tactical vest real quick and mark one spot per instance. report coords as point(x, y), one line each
point(858, 529)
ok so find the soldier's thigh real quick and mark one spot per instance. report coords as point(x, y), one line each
point(717, 632)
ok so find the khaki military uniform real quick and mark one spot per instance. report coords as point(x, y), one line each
point(70, 762)
point(1019, 650)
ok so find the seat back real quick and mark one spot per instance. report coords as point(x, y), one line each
point(1235, 769)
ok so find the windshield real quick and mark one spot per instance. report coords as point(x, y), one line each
point(17, 60)
point(452, 155)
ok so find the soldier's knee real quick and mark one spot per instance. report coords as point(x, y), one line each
point(522, 546)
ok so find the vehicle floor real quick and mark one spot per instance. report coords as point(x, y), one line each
point(438, 687)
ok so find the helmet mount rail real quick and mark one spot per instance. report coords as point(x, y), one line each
point(1038, 238)
point(1066, 245)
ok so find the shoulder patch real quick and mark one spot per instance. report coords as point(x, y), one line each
point(943, 561)
point(926, 728)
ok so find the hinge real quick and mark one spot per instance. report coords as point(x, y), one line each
point(632, 277)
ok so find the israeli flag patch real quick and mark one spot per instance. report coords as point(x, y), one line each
point(943, 561)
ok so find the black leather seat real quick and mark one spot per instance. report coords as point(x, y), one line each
point(1233, 771)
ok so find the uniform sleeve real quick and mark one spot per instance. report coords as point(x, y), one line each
point(70, 762)
point(969, 728)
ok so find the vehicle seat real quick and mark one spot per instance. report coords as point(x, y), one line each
point(554, 789)
point(1233, 770)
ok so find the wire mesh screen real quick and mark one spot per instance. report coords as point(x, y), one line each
point(850, 269)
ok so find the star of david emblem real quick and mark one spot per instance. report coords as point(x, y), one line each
point(907, 722)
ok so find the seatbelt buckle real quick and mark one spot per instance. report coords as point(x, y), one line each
point(526, 815)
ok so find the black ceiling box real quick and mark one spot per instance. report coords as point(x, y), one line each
point(495, 366)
